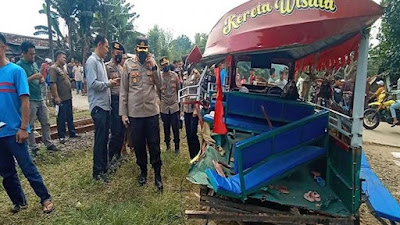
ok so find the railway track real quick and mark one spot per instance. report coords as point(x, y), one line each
point(81, 126)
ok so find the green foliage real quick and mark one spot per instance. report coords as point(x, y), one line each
point(112, 18)
point(181, 46)
point(200, 39)
point(385, 56)
point(55, 28)
point(161, 44)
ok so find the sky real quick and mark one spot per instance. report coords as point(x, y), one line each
point(178, 16)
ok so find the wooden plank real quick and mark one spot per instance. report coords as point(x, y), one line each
point(266, 218)
point(221, 207)
point(245, 207)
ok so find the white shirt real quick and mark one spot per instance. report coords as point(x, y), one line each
point(299, 85)
point(281, 83)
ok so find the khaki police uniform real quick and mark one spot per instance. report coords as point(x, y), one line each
point(138, 101)
point(169, 105)
point(191, 121)
point(114, 70)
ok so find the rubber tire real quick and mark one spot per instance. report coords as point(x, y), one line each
point(369, 111)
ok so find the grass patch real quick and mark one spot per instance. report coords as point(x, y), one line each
point(80, 200)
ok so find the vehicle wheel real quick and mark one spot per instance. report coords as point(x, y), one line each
point(371, 119)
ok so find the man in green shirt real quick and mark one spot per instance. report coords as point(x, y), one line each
point(37, 106)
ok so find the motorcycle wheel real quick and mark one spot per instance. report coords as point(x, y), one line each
point(371, 119)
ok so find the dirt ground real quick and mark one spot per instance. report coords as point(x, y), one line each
point(381, 161)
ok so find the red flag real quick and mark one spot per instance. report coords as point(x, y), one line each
point(194, 56)
point(219, 124)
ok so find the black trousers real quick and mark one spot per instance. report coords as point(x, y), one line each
point(117, 130)
point(65, 115)
point(146, 131)
point(101, 120)
point(191, 134)
point(171, 120)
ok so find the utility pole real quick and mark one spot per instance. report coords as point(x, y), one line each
point(50, 30)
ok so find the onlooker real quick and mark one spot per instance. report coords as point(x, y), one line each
point(337, 90)
point(78, 76)
point(62, 96)
point(114, 71)
point(191, 117)
point(44, 67)
point(14, 111)
point(281, 83)
point(237, 79)
point(271, 79)
point(99, 97)
point(243, 80)
point(44, 70)
point(380, 90)
point(393, 108)
point(223, 74)
point(38, 107)
point(169, 106)
point(70, 67)
point(252, 76)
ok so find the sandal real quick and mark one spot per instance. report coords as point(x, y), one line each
point(316, 196)
point(48, 206)
point(309, 197)
point(281, 189)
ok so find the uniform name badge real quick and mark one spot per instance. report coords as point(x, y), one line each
point(135, 78)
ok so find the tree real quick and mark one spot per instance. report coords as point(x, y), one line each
point(114, 19)
point(181, 46)
point(160, 42)
point(386, 54)
point(44, 30)
point(67, 9)
point(200, 39)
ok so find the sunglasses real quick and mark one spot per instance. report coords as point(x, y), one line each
point(142, 49)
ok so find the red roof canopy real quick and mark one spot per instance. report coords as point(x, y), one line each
point(296, 27)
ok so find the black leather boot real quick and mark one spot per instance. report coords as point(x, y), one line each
point(168, 147)
point(177, 149)
point(157, 179)
point(142, 177)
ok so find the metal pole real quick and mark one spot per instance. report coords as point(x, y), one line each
point(359, 91)
point(50, 30)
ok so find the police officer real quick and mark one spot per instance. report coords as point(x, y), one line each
point(139, 109)
point(169, 103)
point(191, 115)
point(114, 71)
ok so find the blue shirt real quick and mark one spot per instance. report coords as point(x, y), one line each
point(224, 74)
point(13, 83)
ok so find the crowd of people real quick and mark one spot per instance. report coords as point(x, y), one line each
point(335, 90)
point(126, 98)
point(259, 80)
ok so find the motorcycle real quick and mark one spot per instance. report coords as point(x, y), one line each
point(379, 111)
